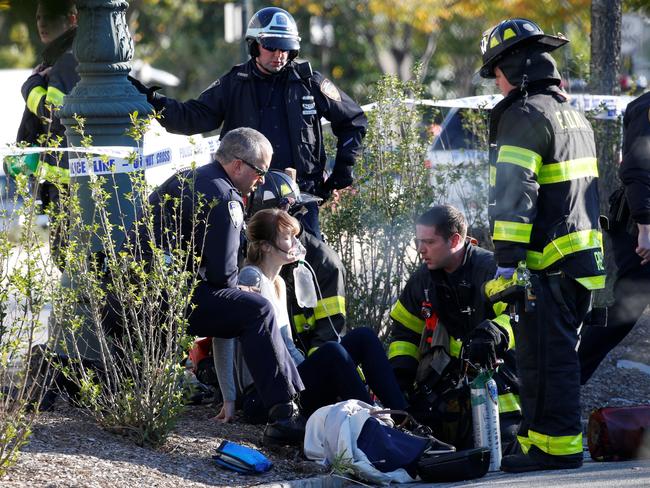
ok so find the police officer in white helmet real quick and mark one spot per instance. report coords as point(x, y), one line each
point(282, 98)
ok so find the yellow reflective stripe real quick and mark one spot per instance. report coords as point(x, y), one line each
point(329, 306)
point(508, 33)
point(493, 175)
point(499, 308)
point(494, 41)
point(564, 246)
point(568, 170)
point(525, 158)
point(361, 375)
point(52, 173)
point(524, 442)
point(563, 445)
point(403, 348)
point(504, 321)
point(54, 96)
point(509, 402)
point(592, 282)
point(406, 318)
point(34, 98)
point(303, 323)
point(311, 351)
point(512, 231)
point(455, 345)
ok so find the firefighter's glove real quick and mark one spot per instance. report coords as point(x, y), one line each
point(150, 92)
point(484, 344)
point(505, 272)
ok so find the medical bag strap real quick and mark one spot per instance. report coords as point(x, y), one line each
point(409, 425)
point(388, 411)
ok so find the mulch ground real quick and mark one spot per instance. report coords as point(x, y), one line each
point(68, 448)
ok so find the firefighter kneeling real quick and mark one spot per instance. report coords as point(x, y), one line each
point(444, 331)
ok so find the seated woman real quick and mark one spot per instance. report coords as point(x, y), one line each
point(329, 373)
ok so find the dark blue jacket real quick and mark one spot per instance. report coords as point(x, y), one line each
point(232, 102)
point(210, 224)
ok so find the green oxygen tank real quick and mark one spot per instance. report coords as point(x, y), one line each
point(485, 416)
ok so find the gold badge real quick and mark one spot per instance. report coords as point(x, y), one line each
point(329, 90)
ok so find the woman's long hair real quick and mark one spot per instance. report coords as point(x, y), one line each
point(265, 226)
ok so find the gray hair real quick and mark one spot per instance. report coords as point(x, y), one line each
point(244, 143)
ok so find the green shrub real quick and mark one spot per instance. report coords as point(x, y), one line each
point(371, 225)
point(130, 380)
point(27, 283)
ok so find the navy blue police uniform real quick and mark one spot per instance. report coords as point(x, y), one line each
point(220, 308)
point(287, 108)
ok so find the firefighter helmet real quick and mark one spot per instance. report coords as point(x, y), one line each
point(278, 191)
point(511, 34)
point(273, 28)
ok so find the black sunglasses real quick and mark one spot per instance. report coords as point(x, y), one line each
point(272, 49)
point(258, 171)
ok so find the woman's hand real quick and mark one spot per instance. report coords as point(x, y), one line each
point(227, 413)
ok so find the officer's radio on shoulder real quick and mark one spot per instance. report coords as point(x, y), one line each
point(303, 68)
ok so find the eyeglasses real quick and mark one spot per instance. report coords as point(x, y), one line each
point(258, 171)
point(272, 49)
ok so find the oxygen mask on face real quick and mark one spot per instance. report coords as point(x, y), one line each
point(297, 251)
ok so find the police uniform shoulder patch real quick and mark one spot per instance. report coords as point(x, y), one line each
point(236, 213)
point(329, 90)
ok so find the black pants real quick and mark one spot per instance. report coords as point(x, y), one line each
point(230, 312)
point(330, 373)
point(548, 368)
point(631, 296)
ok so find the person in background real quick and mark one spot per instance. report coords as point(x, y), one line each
point(43, 92)
point(629, 227)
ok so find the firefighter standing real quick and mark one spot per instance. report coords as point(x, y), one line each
point(282, 98)
point(629, 228)
point(440, 312)
point(311, 327)
point(543, 213)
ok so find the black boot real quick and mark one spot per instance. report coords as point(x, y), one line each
point(286, 426)
point(536, 460)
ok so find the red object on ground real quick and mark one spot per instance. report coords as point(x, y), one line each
point(618, 433)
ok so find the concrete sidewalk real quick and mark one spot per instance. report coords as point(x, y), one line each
point(592, 475)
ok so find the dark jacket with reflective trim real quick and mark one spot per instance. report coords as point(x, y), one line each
point(233, 102)
point(39, 92)
point(312, 327)
point(457, 299)
point(635, 166)
point(544, 205)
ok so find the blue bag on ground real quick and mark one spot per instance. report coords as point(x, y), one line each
point(389, 449)
point(240, 458)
